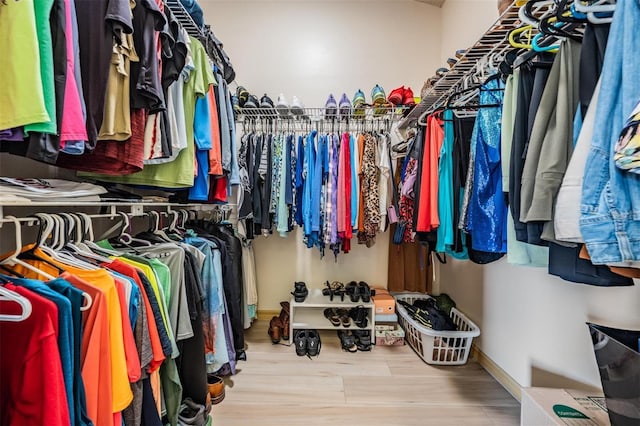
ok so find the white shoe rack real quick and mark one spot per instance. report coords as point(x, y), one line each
point(310, 313)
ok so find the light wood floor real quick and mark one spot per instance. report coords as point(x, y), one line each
point(389, 386)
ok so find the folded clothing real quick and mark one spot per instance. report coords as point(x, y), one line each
point(49, 189)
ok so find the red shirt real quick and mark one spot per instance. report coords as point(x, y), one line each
point(32, 388)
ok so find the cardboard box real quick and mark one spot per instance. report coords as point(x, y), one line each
point(380, 290)
point(390, 337)
point(385, 304)
point(546, 406)
point(386, 318)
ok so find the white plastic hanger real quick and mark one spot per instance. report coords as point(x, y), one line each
point(13, 258)
point(6, 294)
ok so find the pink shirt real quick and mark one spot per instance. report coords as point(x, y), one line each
point(73, 126)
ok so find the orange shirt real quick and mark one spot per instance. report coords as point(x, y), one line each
point(428, 218)
point(95, 357)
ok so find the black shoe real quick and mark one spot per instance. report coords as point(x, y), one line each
point(300, 340)
point(353, 291)
point(332, 315)
point(243, 96)
point(347, 341)
point(313, 343)
point(252, 102)
point(365, 291)
point(300, 292)
point(359, 316)
point(363, 340)
point(266, 102)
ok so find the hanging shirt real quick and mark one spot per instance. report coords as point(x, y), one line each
point(32, 390)
point(427, 215)
point(355, 181)
point(22, 97)
point(384, 185)
point(487, 208)
point(300, 181)
point(445, 186)
point(308, 175)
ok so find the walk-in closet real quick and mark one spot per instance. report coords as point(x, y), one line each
point(256, 212)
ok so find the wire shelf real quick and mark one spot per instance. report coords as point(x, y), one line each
point(494, 40)
point(367, 113)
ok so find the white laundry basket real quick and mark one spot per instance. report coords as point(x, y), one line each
point(437, 347)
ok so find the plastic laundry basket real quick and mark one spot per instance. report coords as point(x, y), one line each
point(437, 347)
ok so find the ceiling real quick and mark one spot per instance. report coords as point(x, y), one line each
point(438, 3)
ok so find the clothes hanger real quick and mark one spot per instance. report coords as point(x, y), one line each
point(73, 247)
point(14, 258)
point(44, 230)
point(25, 304)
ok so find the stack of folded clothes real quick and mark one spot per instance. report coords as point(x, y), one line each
point(14, 190)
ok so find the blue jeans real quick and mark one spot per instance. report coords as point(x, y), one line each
point(610, 210)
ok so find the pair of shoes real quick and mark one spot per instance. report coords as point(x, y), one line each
point(338, 316)
point(359, 291)
point(359, 315)
point(285, 320)
point(347, 341)
point(192, 413)
point(342, 109)
point(215, 385)
point(379, 100)
point(300, 291)
point(307, 343)
point(363, 340)
point(359, 104)
point(335, 288)
point(402, 96)
point(276, 330)
point(297, 108)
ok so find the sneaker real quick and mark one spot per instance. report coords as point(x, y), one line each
point(300, 341)
point(408, 98)
point(396, 96)
point(266, 102)
point(242, 94)
point(252, 102)
point(345, 106)
point(460, 53)
point(282, 105)
point(359, 102)
point(440, 72)
point(451, 62)
point(331, 107)
point(314, 344)
point(297, 108)
point(379, 100)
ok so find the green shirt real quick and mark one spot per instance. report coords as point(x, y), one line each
point(21, 95)
point(43, 27)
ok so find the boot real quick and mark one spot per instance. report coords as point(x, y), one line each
point(215, 384)
point(284, 319)
point(275, 330)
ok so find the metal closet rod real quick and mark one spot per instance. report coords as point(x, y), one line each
point(116, 211)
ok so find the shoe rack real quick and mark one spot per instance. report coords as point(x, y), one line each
point(310, 313)
point(494, 42)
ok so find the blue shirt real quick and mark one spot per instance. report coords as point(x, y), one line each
point(309, 166)
point(445, 186)
point(299, 181)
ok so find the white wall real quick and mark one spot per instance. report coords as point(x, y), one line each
point(533, 324)
point(310, 49)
